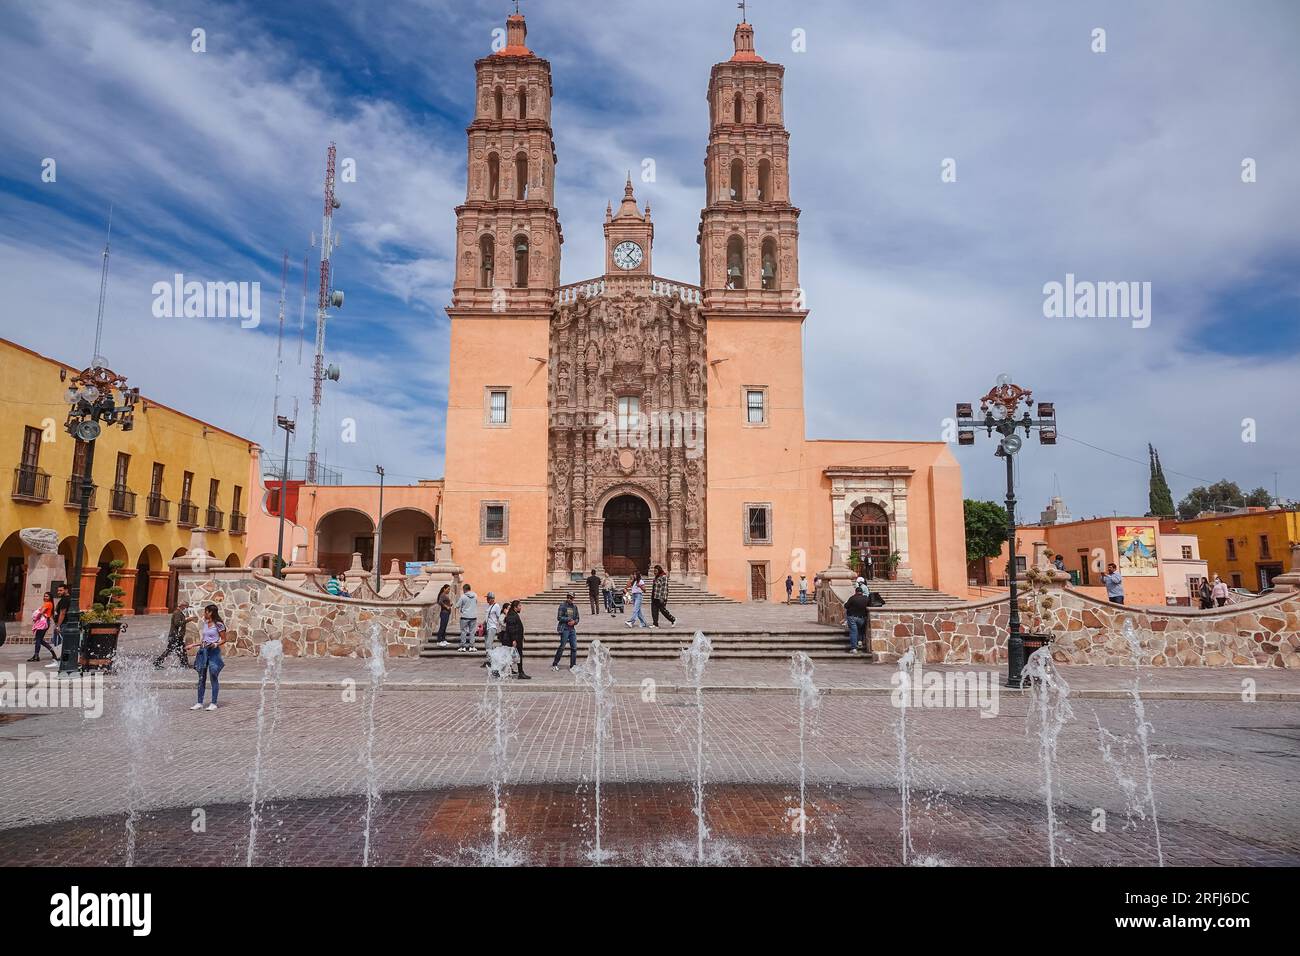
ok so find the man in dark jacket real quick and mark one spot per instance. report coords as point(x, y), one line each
point(593, 591)
point(566, 623)
point(857, 608)
point(514, 637)
point(176, 638)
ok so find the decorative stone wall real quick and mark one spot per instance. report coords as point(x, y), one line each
point(258, 608)
point(1262, 633)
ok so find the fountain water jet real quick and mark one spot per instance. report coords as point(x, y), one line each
point(595, 673)
point(272, 654)
point(499, 660)
point(801, 673)
point(903, 700)
point(1050, 703)
point(694, 659)
point(140, 716)
point(1144, 728)
point(377, 674)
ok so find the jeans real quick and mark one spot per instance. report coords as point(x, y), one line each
point(209, 664)
point(443, 617)
point(857, 626)
point(609, 600)
point(489, 637)
point(657, 608)
point(1117, 600)
point(567, 636)
point(467, 626)
point(38, 638)
point(636, 610)
point(803, 597)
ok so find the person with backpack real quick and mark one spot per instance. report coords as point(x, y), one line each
point(566, 624)
point(41, 619)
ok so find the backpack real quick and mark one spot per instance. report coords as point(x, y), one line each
point(39, 621)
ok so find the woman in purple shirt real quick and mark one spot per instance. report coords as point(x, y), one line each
point(207, 661)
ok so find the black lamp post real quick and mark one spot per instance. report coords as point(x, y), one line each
point(999, 408)
point(92, 398)
point(379, 530)
point(287, 424)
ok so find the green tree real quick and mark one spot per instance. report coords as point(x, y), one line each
point(1219, 496)
point(1259, 498)
point(1161, 501)
point(986, 529)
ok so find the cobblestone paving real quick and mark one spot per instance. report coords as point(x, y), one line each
point(1228, 773)
point(641, 824)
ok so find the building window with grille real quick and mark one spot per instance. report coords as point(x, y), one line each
point(1232, 549)
point(1187, 552)
point(1263, 546)
point(758, 523)
point(755, 406)
point(494, 522)
point(497, 406)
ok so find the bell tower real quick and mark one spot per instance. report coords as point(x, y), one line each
point(749, 231)
point(507, 273)
point(629, 237)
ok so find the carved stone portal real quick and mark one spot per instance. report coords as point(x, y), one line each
point(626, 419)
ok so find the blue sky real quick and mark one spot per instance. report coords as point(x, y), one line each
point(1123, 165)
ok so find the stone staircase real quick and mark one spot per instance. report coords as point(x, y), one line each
point(677, 594)
point(905, 594)
point(667, 644)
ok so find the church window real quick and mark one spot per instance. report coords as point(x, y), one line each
point(521, 176)
point(521, 262)
point(739, 108)
point(756, 406)
point(523, 103)
point(499, 99)
point(735, 263)
point(494, 522)
point(737, 180)
point(494, 176)
point(761, 106)
point(486, 261)
point(769, 263)
point(764, 180)
point(629, 413)
point(758, 524)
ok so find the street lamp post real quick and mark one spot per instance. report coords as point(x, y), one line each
point(287, 424)
point(379, 530)
point(92, 398)
point(999, 409)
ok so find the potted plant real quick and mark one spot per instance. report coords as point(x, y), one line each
point(892, 562)
point(101, 624)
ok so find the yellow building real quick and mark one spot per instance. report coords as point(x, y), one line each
point(153, 486)
point(1247, 549)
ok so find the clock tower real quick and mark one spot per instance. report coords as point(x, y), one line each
point(629, 235)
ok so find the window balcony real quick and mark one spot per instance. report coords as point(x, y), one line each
point(216, 519)
point(157, 509)
point(238, 522)
point(187, 514)
point(72, 498)
point(31, 485)
point(121, 502)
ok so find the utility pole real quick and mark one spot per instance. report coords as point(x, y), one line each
point(379, 530)
point(287, 424)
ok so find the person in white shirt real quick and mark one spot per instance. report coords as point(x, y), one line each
point(803, 589)
point(492, 623)
point(1219, 592)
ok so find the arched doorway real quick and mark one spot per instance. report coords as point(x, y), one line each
point(113, 551)
point(341, 533)
point(869, 538)
point(149, 563)
point(626, 546)
point(409, 535)
point(14, 565)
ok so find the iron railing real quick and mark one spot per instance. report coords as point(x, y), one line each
point(31, 484)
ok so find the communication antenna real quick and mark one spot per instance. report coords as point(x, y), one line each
point(279, 342)
point(302, 310)
point(97, 360)
point(324, 301)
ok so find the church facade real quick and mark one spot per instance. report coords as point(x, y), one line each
point(631, 420)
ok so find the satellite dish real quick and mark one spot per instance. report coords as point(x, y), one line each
point(87, 430)
point(332, 373)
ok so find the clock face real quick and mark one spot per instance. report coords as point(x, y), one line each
point(627, 255)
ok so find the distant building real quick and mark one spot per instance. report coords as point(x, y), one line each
point(1247, 548)
point(1055, 513)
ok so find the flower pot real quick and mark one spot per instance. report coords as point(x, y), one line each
point(99, 645)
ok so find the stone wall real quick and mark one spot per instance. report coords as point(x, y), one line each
point(1263, 633)
point(258, 608)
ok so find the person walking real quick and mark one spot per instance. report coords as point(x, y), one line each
point(1114, 582)
point(1207, 594)
point(659, 598)
point(1059, 562)
point(607, 588)
point(637, 593)
point(208, 662)
point(175, 638)
point(593, 591)
point(856, 610)
point(566, 625)
point(492, 623)
point(467, 606)
point(789, 589)
point(41, 619)
point(444, 613)
point(514, 637)
point(1219, 591)
point(803, 589)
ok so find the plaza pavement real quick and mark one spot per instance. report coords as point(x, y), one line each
point(1226, 766)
